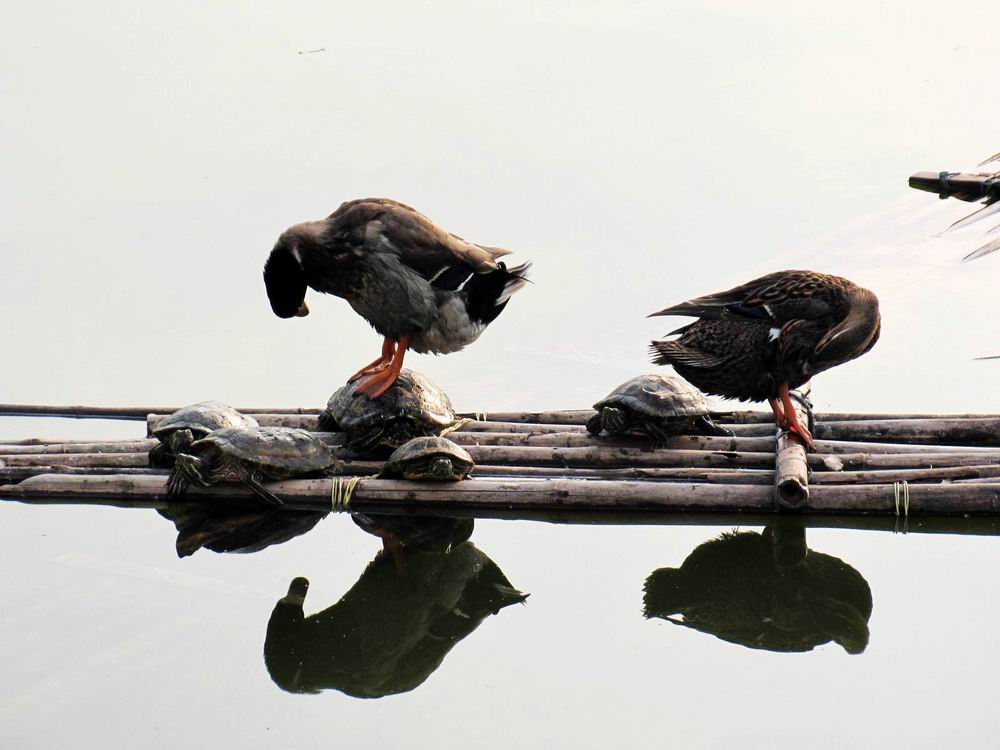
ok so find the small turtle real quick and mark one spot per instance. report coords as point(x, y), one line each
point(411, 407)
point(251, 456)
point(657, 405)
point(432, 458)
point(191, 423)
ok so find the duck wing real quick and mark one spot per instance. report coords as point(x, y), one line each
point(775, 299)
point(381, 225)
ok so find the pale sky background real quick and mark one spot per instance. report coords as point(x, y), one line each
point(639, 154)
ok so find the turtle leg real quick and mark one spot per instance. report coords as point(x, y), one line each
point(178, 483)
point(594, 425)
point(252, 479)
point(792, 420)
point(379, 382)
point(388, 349)
point(160, 457)
point(655, 430)
point(367, 441)
point(187, 470)
point(707, 426)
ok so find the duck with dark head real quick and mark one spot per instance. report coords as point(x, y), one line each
point(419, 286)
point(757, 341)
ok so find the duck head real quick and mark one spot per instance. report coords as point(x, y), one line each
point(284, 277)
point(854, 335)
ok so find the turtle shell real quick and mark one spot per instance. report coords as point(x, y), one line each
point(659, 396)
point(423, 449)
point(203, 418)
point(412, 396)
point(286, 448)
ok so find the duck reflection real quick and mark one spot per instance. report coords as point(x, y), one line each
point(426, 590)
point(235, 527)
point(765, 591)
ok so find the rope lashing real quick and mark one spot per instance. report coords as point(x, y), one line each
point(902, 492)
point(341, 489)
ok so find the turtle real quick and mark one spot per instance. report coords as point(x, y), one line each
point(251, 456)
point(429, 458)
point(411, 407)
point(189, 423)
point(657, 405)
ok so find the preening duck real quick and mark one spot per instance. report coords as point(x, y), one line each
point(419, 286)
point(758, 340)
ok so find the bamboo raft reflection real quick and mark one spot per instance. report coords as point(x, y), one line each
point(882, 464)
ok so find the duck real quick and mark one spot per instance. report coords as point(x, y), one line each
point(418, 285)
point(759, 340)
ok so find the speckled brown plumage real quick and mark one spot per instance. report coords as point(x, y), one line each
point(724, 358)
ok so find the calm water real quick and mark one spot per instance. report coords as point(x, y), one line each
point(639, 156)
point(111, 640)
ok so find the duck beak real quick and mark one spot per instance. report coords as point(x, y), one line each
point(302, 311)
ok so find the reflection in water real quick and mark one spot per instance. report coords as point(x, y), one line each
point(766, 591)
point(427, 590)
point(235, 527)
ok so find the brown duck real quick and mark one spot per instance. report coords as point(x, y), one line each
point(419, 286)
point(758, 340)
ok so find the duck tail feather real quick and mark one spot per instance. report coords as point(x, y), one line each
point(487, 294)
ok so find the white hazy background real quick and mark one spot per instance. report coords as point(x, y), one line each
point(639, 154)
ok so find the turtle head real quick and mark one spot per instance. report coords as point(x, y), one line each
point(181, 440)
point(613, 420)
point(284, 278)
point(192, 467)
point(440, 469)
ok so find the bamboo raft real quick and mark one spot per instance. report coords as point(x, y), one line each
point(547, 463)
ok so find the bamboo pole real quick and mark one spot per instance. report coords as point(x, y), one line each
point(596, 456)
point(543, 439)
point(982, 430)
point(120, 412)
point(963, 524)
point(738, 417)
point(987, 473)
point(952, 498)
point(15, 474)
point(92, 460)
point(791, 470)
point(554, 493)
point(115, 446)
point(555, 416)
point(691, 442)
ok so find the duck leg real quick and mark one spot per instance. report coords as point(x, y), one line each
point(388, 349)
point(779, 415)
point(792, 421)
point(380, 381)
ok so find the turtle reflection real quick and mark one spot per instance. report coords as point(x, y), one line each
point(765, 590)
point(423, 593)
point(235, 527)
